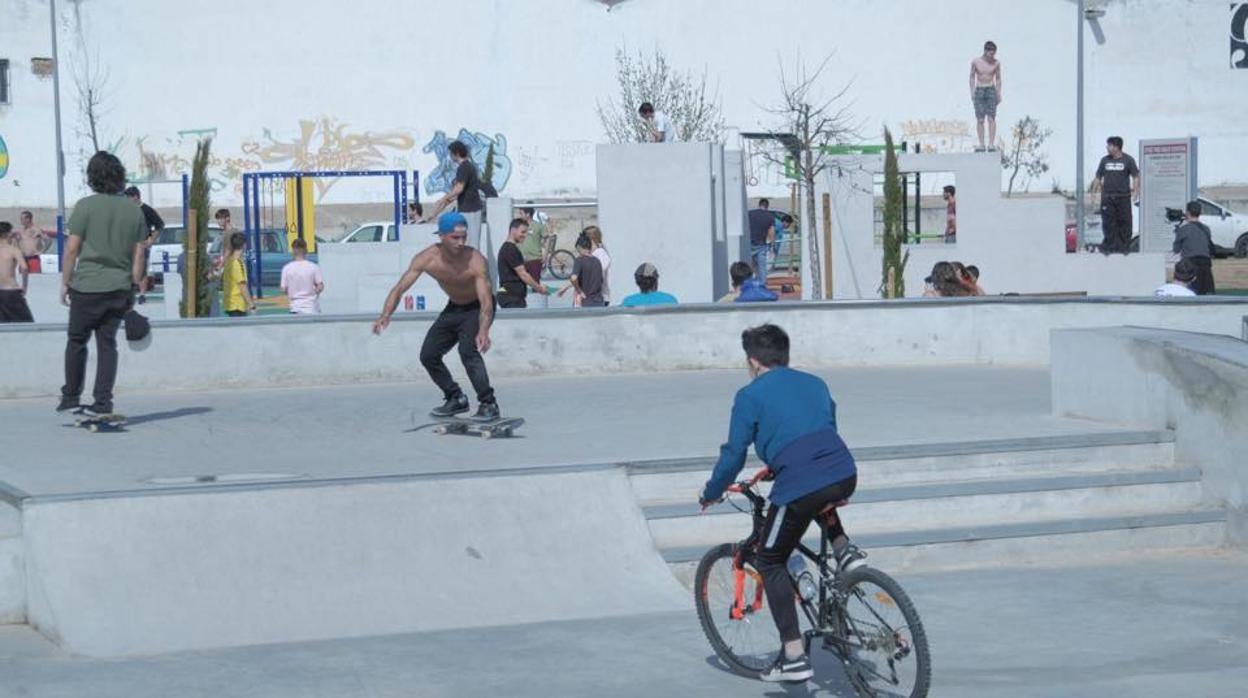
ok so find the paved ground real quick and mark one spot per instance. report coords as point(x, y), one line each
point(369, 429)
point(1159, 626)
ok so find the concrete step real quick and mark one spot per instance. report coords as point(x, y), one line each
point(676, 481)
point(967, 505)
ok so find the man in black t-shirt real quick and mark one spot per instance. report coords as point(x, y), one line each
point(1118, 180)
point(762, 234)
point(465, 192)
point(514, 279)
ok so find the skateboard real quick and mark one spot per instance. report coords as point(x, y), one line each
point(503, 426)
point(104, 422)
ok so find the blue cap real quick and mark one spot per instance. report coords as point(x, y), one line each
point(448, 221)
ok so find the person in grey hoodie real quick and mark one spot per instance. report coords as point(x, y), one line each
point(1194, 242)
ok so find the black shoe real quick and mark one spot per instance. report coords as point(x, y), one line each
point(486, 412)
point(67, 404)
point(789, 669)
point(453, 406)
point(97, 409)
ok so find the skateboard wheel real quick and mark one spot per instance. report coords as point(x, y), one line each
point(439, 430)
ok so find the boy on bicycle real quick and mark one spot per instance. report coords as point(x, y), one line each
point(790, 418)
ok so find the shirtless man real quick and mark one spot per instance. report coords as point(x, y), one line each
point(461, 272)
point(32, 242)
point(986, 94)
point(13, 306)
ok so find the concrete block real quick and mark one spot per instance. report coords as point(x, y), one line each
point(12, 582)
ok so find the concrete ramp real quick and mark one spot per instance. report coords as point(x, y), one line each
point(154, 573)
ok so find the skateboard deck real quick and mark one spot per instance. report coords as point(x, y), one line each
point(104, 422)
point(503, 426)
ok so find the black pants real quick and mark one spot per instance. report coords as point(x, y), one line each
point(458, 324)
point(1116, 224)
point(512, 296)
point(1203, 285)
point(13, 307)
point(782, 532)
point(100, 313)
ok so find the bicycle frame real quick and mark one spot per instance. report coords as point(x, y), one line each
point(826, 572)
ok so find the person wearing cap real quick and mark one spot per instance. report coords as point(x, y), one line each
point(465, 322)
point(647, 278)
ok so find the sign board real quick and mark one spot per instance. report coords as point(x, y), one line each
point(1167, 180)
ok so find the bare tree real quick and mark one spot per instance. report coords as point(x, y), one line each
point(91, 81)
point(814, 121)
point(1024, 155)
point(693, 108)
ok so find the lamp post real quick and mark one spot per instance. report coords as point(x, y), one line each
point(56, 108)
point(1092, 16)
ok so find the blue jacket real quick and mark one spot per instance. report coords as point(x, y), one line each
point(755, 291)
point(790, 418)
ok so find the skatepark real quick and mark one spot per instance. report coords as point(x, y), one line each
point(1035, 479)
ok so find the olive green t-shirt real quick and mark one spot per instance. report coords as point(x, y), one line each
point(110, 225)
point(532, 247)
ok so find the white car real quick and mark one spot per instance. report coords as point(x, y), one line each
point(376, 231)
point(1230, 229)
point(168, 246)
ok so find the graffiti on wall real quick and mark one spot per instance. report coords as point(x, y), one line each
point(440, 179)
point(1239, 35)
point(327, 144)
point(938, 135)
point(4, 158)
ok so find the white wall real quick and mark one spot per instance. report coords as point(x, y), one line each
point(254, 352)
point(334, 85)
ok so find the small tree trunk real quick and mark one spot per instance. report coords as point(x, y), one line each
point(810, 231)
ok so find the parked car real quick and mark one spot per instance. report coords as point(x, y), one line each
point(1229, 229)
point(375, 231)
point(169, 243)
point(274, 254)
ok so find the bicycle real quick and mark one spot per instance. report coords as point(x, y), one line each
point(558, 262)
point(854, 613)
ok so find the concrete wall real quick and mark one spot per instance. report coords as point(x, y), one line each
point(12, 565)
point(322, 100)
point(256, 351)
point(1018, 244)
point(339, 559)
point(658, 204)
point(1195, 384)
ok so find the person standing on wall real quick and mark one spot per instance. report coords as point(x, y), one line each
point(1193, 242)
point(659, 128)
point(465, 192)
point(762, 234)
point(101, 270)
point(986, 94)
point(1118, 180)
point(513, 272)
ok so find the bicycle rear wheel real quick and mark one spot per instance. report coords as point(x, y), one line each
point(884, 646)
point(743, 635)
point(560, 264)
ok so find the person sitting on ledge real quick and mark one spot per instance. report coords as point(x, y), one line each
point(647, 278)
point(746, 288)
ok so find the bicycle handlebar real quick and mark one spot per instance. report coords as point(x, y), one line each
point(739, 487)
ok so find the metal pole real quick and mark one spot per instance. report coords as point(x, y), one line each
point(1079, 184)
point(56, 110)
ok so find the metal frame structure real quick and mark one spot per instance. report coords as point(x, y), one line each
point(251, 206)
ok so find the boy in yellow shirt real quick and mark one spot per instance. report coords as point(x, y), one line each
point(238, 301)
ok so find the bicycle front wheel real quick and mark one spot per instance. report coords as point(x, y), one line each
point(733, 612)
point(561, 264)
point(883, 643)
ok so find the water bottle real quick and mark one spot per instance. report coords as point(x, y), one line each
point(806, 587)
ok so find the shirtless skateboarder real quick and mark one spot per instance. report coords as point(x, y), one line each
point(461, 272)
point(986, 94)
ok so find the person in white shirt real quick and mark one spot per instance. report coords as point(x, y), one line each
point(659, 127)
point(1184, 275)
point(604, 258)
point(301, 281)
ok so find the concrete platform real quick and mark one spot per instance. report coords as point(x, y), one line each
point(1154, 627)
point(275, 435)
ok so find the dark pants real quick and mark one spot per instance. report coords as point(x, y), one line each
point(534, 267)
point(1116, 224)
point(100, 313)
point(782, 532)
point(458, 324)
point(13, 307)
point(236, 313)
point(512, 296)
point(1203, 285)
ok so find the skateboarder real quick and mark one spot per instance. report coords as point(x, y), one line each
point(102, 269)
point(461, 272)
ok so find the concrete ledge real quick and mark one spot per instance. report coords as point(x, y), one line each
point(285, 351)
point(1196, 384)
